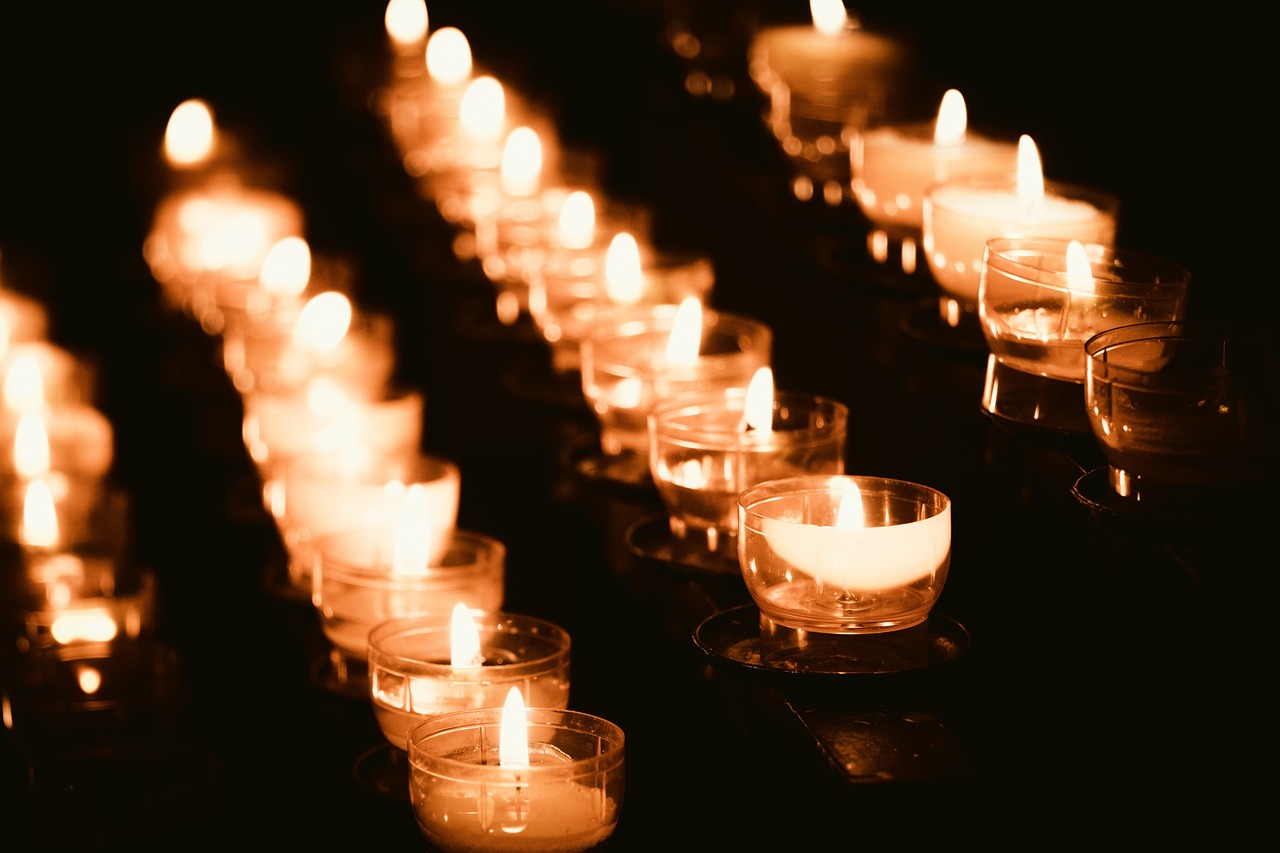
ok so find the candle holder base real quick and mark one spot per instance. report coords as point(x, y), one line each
point(283, 587)
point(1046, 411)
point(623, 475)
point(342, 676)
point(744, 641)
point(384, 769)
point(532, 379)
point(652, 540)
point(924, 323)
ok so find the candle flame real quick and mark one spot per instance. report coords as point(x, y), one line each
point(686, 333)
point(93, 625)
point(513, 732)
point(849, 511)
point(448, 56)
point(1079, 271)
point(39, 517)
point(1030, 179)
point(578, 221)
point(829, 16)
point(31, 447)
point(406, 21)
point(188, 138)
point(953, 119)
point(758, 409)
point(521, 169)
point(89, 679)
point(464, 638)
point(24, 384)
point(287, 267)
point(483, 110)
point(623, 281)
point(413, 537)
point(323, 322)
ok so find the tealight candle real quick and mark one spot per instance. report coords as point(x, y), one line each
point(961, 216)
point(633, 358)
point(844, 555)
point(706, 449)
point(407, 23)
point(540, 780)
point(416, 671)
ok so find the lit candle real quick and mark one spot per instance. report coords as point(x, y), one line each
point(426, 665)
point(705, 449)
point(961, 216)
point(407, 23)
point(838, 554)
point(190, 137)
point(540, 780)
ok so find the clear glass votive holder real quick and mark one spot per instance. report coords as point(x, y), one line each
point(701, 456)
point(568, 799)
point(358, 583)
point(960, 216)
point(626, 372)
point(1181, 410)
point(411, 677)
point(813, 562)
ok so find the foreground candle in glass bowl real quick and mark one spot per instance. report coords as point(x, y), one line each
point(844, 554)
point(635, 357)
point(416, 669)
point(705, 449)
point(543, 780)
point(1181, 410)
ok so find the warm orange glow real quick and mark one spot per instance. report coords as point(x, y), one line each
point(483, 111)
point(464, 638)
point(578, 221)
point(623, 281)
point(325, 398)
point(31, 447)
point(757, 411)
point(521, 162)
point(287, 267)
point(323, 322)
point(829, 16)
point(413, 538)
point(686, 333)
point(93, 625)
point(448, 56)
point(849, 513)
point(89, 679)
point(953, 119)
point(188, 138)
point(1030, 179)
point(513, 732)
point(1079, 271)
point(406, 21)
point(39, 517)
point(24, 384)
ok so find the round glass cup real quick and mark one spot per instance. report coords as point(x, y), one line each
point(701, 456)
point(1182, 410)
point(569, 798)
point(625, 371)
point(411, 677)
point(806, 570)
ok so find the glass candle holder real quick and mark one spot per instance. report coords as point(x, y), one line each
point(625, 370)
point(357, 584)
point(411, 677)
point(961, 216)
point(701, 457)
point(1180, 410)
point(568, 799)
point(812, 561)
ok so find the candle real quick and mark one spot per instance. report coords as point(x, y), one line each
point(635, 357)
point(960, 216)
point(844, 555)
point(416, 669)
point(705, 449)
point(407, 23)
point(538, 780)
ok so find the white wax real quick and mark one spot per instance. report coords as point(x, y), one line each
point(851, 62)
point(325, 505)
point(287, 427)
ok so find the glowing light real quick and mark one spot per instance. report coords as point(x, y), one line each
point(448, 56)
point(93, 625)
point(31, 447)
point(323, 322)
point(578, 221)
point(849, 513)
point(829, 16)
point(686, 333)
point(953, 119)
point(757, 412)
point(1030, 179)
point(39, 517)
point(89, 679)
point(188, 138)
point(406, 21)
point(623, 280)
point(464, 638)
point(483, 110)
point(513, 732)
point(287, 267)
point(521, 162)
point(413, 539)
point(1079, 271)
point(24, 384)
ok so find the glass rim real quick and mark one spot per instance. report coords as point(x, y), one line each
point(408, 627)
point(815, 484)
